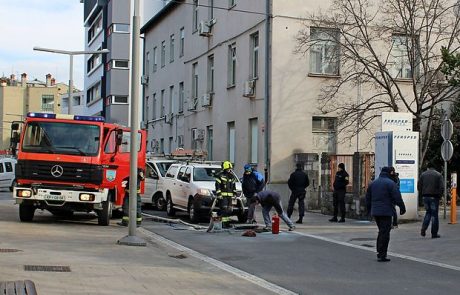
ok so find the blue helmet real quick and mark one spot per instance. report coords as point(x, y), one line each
point(247, 168)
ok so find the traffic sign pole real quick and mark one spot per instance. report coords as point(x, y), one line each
point(447, 150)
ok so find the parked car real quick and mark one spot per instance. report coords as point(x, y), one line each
point(154, 182)
point(7, 176)
point(191, 188)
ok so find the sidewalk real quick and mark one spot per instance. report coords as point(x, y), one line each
point(98, 265)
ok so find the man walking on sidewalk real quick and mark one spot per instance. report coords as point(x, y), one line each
point(267, 200)
point(298, 182)
point(382, 194)
point(430, 186)
point(340, 188)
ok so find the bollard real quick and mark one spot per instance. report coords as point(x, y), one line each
point(275, 224)
point(453, 199)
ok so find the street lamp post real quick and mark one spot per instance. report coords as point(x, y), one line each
point(71, 54)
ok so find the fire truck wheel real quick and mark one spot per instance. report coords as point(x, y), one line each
point(170, 206)
point(26, 212)
point(103, 216)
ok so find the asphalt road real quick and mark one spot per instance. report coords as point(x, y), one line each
point(307, 265)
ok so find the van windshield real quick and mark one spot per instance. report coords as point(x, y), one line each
point(163, 167)
point(205, 174)
point(61, 138)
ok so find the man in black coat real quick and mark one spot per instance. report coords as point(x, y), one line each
point(340, 188)
point(298, 182)
point(382, 194)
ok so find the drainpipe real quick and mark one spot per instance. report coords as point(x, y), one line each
point(267, 88)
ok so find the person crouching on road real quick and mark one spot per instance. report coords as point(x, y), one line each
point(267, 200)
point(125, 207)
point(298, 183)
point(381, 196)
point(252, 182)
point(225, 191)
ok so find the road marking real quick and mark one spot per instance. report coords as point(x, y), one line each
point(439, 264)
point(235, 271)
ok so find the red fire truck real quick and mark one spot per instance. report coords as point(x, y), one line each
point(68, 163)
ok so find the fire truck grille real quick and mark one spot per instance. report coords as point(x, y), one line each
point(59, 171)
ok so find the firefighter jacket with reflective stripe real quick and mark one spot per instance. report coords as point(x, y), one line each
point(225, 185)
point(140, 178)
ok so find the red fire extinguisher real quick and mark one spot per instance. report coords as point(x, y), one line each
point(275, 224)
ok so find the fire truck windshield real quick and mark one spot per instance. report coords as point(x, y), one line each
point(61, 138)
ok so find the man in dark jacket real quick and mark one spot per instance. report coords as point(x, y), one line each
point(381, 196)
point(267, 200)
point(252, 182)
point(298, 182)
point(340, 188)
point(431, 187)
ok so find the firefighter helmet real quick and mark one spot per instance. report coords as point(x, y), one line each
point(226, 165)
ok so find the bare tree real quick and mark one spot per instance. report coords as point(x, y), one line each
point(392, 50)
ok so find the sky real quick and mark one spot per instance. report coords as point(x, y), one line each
point(56, 24)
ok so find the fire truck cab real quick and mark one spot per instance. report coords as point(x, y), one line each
point(70, 163)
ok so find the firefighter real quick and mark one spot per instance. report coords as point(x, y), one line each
point(225, 191)
point(125, 184)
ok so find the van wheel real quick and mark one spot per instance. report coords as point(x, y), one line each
point(13, 184)
point(193, 212)
point(103, 216)
point(170, 206)
point(159, 202)
point(26, 212)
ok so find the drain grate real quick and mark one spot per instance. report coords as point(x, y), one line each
point(9, 250)
point(50, 268)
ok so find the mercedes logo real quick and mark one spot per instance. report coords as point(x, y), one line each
point(57, 171)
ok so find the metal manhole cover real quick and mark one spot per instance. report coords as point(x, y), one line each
point(51, 268)
point(361, 239)
point(367, 245)
point(9, 250)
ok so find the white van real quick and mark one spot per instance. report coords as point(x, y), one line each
point(7, 176)
point(154, 182)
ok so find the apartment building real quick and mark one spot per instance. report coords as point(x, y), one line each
point(204, 85)
point(18, 97)
point(107, 26)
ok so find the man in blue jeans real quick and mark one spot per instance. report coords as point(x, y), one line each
point(268, 200)
point(431, 188)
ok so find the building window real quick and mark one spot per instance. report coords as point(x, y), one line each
point(119, 99)
point(400, 65)
point(211, 74)
point(324, 124)
point(162, 146)
point(162, 103)
point(195, 15)
point(231, 3)
point(231, 141)
point(171, 97)
point(154, 106)
point(181, 97)
point(155, 60)
point(194, 142)
point(324, 53)
point(118, 28)
point(194, 83)
point(170, 145)
point(95, 29)
point(231, 65)
point(209, 142)
point(182, 42)
point(93, 93)
point(255, 55)
point(163, 53)
point(47, 103)
point(253, 140)
point(147, 63)
point(76, 100)
point(171, 48)
point(92, 63)
point(119, 64)
point(147, 109)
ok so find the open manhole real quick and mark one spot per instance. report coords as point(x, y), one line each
point(2, 250)
point(50, 268)
point(361, 239)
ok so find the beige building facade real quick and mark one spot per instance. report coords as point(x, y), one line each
point(204, 86)
point(18, 97)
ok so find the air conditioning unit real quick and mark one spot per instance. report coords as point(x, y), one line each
point(198, 134)
point(145, 80)
point(206, 100)
point(204, 29)
point(168, 118)
point(249, 88)
point(192, 104)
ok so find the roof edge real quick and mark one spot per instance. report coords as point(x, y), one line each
point(165, 10)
